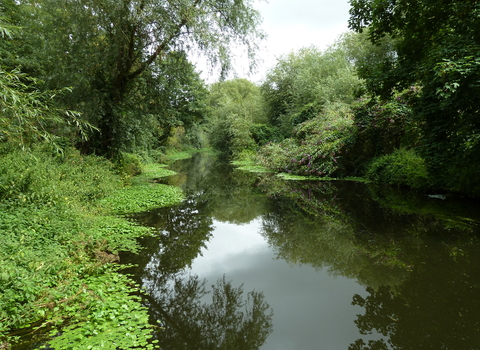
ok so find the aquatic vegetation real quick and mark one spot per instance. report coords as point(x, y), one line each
point(144, 194)
point(151, 172)
point(108, 315)
point(286, 176)
point(59, 240)
point(143, 197)
point(254, 169)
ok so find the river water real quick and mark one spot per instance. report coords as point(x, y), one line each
point(251, 261)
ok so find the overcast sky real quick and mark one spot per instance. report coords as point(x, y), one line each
point(293, 24)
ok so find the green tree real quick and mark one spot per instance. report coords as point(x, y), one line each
point(104, 49)
point(302, 83)
point(436, 46)
point(236, 105)
point(29, 114)
point(371, 60)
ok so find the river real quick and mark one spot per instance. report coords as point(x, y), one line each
point(252, 261)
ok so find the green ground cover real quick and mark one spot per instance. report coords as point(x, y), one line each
point(60, 235)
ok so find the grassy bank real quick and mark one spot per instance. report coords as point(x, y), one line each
point(60, 232)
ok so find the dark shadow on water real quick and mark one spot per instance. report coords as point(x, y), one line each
point(416, 256)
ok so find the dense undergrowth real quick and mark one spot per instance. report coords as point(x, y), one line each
point(60, 234)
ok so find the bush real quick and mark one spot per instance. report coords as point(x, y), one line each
point(263, 133)
point(318, 146)
point(46, 178)
point(231, 135)
point(386, 125)
point(128, 164)
point(402, 168)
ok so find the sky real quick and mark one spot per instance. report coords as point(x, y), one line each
point(293, 24)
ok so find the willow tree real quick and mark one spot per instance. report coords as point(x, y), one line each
point(109, 50)
point(303, 83)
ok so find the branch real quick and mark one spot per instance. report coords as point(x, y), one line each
point(160, 48)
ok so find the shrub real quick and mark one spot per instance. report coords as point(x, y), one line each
point(317, 148)
point(263, 133)
point(231, 135)
point(402, 168)
point(386, 125)
point(128, 164)
point(47, 178)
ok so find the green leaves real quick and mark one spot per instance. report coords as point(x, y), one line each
point(235, 106)
point(28, 115)
point(57, 246)
point(110, 317)
point(133, 95)
point(144, 197)
point(317, 147)
point(401, 168)
point(436, 47)
point(144, 194)
point(302, 83)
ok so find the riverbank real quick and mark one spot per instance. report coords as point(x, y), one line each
point(61, 228)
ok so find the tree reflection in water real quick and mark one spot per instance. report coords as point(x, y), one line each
point(417, 257)
point(228, 322)
point(176, 300)
point(436, 308)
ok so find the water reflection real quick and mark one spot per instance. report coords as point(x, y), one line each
point(230, 321)
point(343, 264)
point(437, 307)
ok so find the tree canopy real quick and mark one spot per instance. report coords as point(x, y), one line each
point(302, 83)
point(436, 47)
point(111, 52)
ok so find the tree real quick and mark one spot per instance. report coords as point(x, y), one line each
point(28, 114)
point(371, 61)
point(436, 45)
point(302, 83)
point(236, 105)
point(104, 48)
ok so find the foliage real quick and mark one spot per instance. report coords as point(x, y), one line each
point(44, 178)
point(128, 164)
point(436, 47)
point(303, 82)
point(371, 60)
point(29, 116)
point(236, 106)
point(112, 234)
point(57, 246)
point(142, 197)
point(264, 133)
point(383, 127)
point(111, 317)
point(317, 148)
point(99, 48)
point(402, 167)
point(249, 165)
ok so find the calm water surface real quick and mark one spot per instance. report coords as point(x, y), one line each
point(250, 261)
